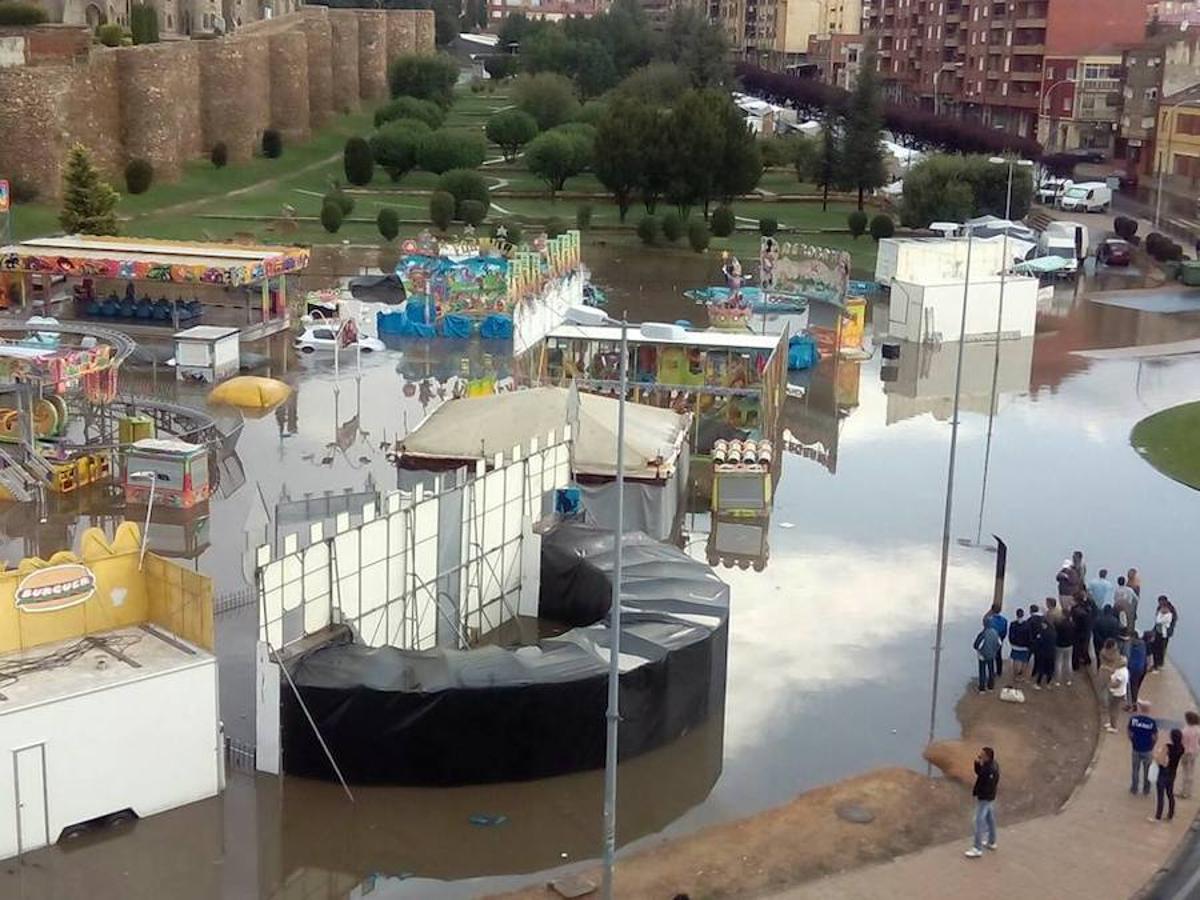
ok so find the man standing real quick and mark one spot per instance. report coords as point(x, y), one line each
point(1018, 639)
point(1083, 615)
point(1143, 734)
point(998, 623)
point(1100, 589)
point(1118, 684)
point(987, 648)
point(1064, 648)
point(987, 778)
point(1106, 628)
point(1125, 604)
point(1068, 584)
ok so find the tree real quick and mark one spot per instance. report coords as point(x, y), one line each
point(593, 68)
point(548, 97)
point(110, 34)
point(388, 223)
point(1125, 228)
point(501, 67)
point(510, 130)
point(443, 150)
point(89, 204)
point(472, 212)
point(699, 236)
point(592, 112)
point(513, 30)
point(624, 132)
point(143, 23)
point(219, 155)
point(410, 108)
point(343, 200)
point(695, 142)
point(647, 230)
point(138, 176)
point(465, 185)
point(697, 46)
point(441, 209)
point(741, 167)
point(17, 12)
point(953, 188)
point(827, 163)
point(882, 227)
point(394, 146)
point(547, 50)
point(357, 161)
point(555, 156)
point(767, 226)
point(446, 16)
point(856, 222)
point(331, 216)
point(862, 143)
point(672, 226)
point(583, 216)
point(424, 77)
point(658, 84)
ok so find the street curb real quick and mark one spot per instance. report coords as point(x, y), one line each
point(1100, 736)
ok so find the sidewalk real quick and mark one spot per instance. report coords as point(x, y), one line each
point(1098, 845)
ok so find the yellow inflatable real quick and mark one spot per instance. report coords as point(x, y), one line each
point(250, 392)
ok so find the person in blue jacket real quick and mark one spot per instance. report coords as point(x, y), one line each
point(1137, 665)
point(999, 624)
point(1143, 734)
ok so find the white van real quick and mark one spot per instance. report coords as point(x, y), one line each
point(1087, 196)
point(1069, 230)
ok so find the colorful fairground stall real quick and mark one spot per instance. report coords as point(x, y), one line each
point(485, 287)
point(134, 282)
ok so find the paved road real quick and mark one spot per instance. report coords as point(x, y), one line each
point(1098, 845)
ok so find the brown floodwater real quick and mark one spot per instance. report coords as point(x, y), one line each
point(830, 660)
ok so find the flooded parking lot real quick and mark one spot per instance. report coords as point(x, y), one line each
point(830, 661)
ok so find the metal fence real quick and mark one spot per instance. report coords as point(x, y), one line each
point(239, 755)
point(228, 602)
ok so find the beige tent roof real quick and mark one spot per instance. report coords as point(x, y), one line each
point(480, 427)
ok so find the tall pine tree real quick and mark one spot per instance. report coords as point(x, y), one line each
point(826, 172)
point(862, 138)
point(89, 204)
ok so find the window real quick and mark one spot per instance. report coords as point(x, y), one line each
point(1188, 124)
point(323, 334)
point(1066, 104)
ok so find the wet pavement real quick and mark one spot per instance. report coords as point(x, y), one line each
point(830, 656)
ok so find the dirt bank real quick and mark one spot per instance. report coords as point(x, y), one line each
point(1044, 747)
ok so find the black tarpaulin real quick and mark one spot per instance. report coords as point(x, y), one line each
point(447, 717)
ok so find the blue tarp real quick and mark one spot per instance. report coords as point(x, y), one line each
point(802, 352)
point(397, 323)
point(497, 327)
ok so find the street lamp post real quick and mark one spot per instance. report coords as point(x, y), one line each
point(152, 477)
point(1048, 108)
point(1164, 150)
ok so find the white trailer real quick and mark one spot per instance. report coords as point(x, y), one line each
point(938, 259)
point(207, 353)
point(128, 725)
point(933, 312)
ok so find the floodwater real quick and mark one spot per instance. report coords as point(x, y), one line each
point(831, 644)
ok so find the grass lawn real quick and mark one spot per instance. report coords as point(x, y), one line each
point(1170, 441)
point(202, 206)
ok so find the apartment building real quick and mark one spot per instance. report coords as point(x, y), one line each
point(547, 10)
point(836, 58)
point(1167, 63)
point(775, 33)
point(1178, 150)
point(985, 60)
point(1081, 100)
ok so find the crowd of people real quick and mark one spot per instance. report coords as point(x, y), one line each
point(1089, 622)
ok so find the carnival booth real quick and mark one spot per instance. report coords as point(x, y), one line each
point(133, 281)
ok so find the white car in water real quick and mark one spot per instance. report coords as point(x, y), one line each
point(328, 335)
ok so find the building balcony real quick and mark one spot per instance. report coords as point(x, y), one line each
point(1035, 76)
point(1030, 23)
point(1029, 49)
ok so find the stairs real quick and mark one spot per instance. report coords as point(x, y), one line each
point(15, 482)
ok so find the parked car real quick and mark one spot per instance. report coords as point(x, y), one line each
point(1114, 252)
point(1050, 191)
point(1087, 154)
point(324, 336)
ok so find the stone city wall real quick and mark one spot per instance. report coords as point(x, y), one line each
point(173, 101)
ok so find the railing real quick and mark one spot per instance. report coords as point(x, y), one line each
point(227, 603)
point(239, 755)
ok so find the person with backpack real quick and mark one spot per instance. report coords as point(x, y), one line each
point(1044, 648)
point(987, 779)
point(987, 646)
point(1018, 640)
point(1083, 615)
point(997, 621)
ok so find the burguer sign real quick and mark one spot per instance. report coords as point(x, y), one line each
point(54, 588)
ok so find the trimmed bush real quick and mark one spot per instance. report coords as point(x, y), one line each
point(110, 35)
point(555, 226)
point(548, 97)
point(698, 236)
point(1125, 227)
point(722, 222)
point(358, 161)
point(394, 146)
point(443, 150)
point(441, 209)
point(767, 226)
point(464, 185)
point(510, 130)
point(344, 201)
point(410, 108)
point(472, 212)
point(272, 143)
point(143, 23)
point(424, 77)
point(672, 226)
point(583, 216)
point(20, 191)
point(647, 230)
point(1155, 243)
point(331, 216)
point(388, 223)
point(857, 223)
point(16, 12)
point(138, 176)
point(882, 227)
point(219, 155)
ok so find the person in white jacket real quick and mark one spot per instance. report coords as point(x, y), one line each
point(1164, 626)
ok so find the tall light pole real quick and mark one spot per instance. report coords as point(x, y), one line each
point(937, 77)
point(941, 600)
point(614, 640)
point(1048, 108)
point(152, 477)
point(1164, 150)
point(987, 452)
